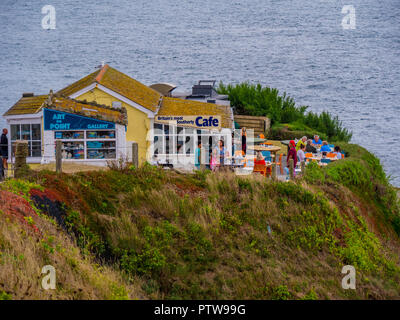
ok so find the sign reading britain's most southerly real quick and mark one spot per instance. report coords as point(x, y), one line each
point(200, 122)
point(58, 120)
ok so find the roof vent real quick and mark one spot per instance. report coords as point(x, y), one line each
point(27, 94)
point(204, 88)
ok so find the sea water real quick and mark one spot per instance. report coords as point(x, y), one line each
point(299, 46)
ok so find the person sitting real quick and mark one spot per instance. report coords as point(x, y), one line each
point(317, 141)
point(301, 142)
point(301, 154)
point(338, 152)
point(310, 147)
point(259, 158)
point(325, 147)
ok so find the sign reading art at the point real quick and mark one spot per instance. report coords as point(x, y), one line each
point(200, 122)
point(58, 120)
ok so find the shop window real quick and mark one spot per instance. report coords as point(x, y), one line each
point(158, 145)
point(81, 145)
point(170, 140)
point(101, 149)
point(100, 134)
point(64, 135)
point(31, 133)
point(189, 145)
point(73, 150)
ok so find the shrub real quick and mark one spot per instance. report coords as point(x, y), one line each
point(255, 100)
point(281, 293)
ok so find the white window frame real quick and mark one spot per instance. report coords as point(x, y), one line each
point(85, 140)
point(20, 123)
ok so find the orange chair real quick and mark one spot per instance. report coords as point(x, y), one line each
point(279, 163)
point(261, 168)
point(239, 153)
point(262, 136)
point(331, 155)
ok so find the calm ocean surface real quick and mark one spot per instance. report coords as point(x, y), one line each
point(297, 46)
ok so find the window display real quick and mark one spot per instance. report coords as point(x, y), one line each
point(73, 150)
point(68, 135)
point(100, 149)
point(81, 145)
point(100, 134)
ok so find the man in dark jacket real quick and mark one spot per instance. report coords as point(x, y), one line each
point(4, 148)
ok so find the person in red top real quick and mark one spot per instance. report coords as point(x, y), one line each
point(259, 159)
point(292, 154)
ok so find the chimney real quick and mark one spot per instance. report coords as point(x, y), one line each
point(27, 94)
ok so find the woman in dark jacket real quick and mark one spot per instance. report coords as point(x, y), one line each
point(310, 147)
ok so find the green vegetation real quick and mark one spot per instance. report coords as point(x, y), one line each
point(148, 233)
point(287, 119)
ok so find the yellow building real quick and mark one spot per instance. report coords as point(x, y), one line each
point(144, 106)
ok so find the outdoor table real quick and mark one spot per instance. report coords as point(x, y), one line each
point(272, 149)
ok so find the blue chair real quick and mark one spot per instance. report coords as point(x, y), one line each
point(325, 160)
point(267, 155)
point(331, 146)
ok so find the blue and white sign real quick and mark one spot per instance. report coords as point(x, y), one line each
point(201, 122)
point(58, 120)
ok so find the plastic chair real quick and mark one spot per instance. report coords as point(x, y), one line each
point(267, 155)
point(260, 168)
point(331, 146)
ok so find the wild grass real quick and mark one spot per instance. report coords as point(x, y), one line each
point(157, 234)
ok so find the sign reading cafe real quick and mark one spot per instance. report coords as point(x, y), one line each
point(58, 120)
point(201, 122)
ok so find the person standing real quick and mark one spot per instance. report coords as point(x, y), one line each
point(292, 154)
point(197, 156)
point(4, 148)
point(244, 140)
point(222, 153)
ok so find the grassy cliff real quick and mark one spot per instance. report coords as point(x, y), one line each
point(146, 233)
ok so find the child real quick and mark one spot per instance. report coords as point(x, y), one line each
point(213, 160)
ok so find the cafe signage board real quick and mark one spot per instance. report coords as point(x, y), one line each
point(199, 122)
